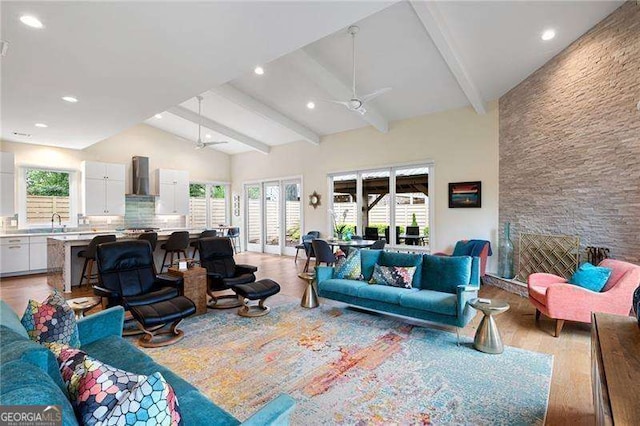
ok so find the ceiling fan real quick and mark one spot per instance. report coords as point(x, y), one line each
point(357, 103)
point(200, 144)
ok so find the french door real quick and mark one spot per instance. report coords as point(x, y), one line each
point(273, 216)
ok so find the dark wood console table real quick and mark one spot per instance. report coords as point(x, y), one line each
point(615, 369)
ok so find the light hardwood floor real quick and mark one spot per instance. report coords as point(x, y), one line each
point(570, 399)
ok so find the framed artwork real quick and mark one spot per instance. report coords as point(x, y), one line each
point(465, 194)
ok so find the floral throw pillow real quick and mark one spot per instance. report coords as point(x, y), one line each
point(394, 276)
point(350, 267)
point(51, 321)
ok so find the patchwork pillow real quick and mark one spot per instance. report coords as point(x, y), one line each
point(591, 277)
point(102, 394)
point(388, 258)
point(51, 321)
point(349, 267)
point(394, 276)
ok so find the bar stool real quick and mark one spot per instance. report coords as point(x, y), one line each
point(152, 237)
point(89, 255)
point(204, 234)
point(177, 243)
point(234, 235)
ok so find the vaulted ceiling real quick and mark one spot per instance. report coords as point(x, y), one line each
point(127, 62)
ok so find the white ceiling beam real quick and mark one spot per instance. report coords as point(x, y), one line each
point(189, 115)
point(335, 87)
point(249, 103)
point(434, 23)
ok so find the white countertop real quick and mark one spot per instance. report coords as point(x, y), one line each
point(118, 234)
point(78, 234)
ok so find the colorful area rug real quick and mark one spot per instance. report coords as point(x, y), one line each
point(348, 367)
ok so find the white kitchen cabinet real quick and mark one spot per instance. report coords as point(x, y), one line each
point(173, 192)
point(103, 189)
point(37, 253)
point(14, 254)
point(7, 184)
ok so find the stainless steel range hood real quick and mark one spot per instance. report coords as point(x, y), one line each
point(140, 182)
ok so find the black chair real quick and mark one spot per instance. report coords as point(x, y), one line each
point(323, 252)
point(413, 231)
point(378, 245)
point(177, 244)
point(308, 237)
point(371, 233)
point(89, 255)
point(234, 235)
point(152, 237)
point(216, 255)
point(127, 277)
point(308, 251)
point(388, 238)
point(204, 234)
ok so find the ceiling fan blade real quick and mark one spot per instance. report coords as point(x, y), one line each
point(214, 143)
point(375, 94)
point(333, 101)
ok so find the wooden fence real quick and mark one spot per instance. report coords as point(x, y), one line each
point(40, 208)
point(198, 212)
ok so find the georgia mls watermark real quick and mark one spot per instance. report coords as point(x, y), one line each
point(30, 415)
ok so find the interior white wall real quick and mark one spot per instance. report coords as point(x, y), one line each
point(165, 151)
point(462, 144)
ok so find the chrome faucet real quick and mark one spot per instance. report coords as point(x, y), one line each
point(52, 221)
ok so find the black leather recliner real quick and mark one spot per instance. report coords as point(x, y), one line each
point(127, 275)
point(216, 255)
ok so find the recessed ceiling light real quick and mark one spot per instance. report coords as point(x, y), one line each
point(158, 116)
point(259, 70)
point(31, 21)
point(41, 125)
point(70, 99)
point(207, 135)
point(311, 105)
point(548, 35)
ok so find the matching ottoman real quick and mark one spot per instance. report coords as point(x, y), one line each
point(258, 290)
point(153, 316)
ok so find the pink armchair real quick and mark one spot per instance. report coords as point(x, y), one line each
point(559, 300)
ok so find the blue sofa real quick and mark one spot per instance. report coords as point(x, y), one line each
point(442, 286)
point(29, 372)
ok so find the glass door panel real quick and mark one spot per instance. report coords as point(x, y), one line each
point(253, 195)
point(412, 206)
point(292, 217)
point(272, 217)
point(376, 206)
point(345, 205)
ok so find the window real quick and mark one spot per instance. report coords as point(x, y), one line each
point(45, 193)
point(207, 205)
point(390, 203)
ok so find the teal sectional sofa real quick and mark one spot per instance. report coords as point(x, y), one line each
point(29, 372)
point(442, 286)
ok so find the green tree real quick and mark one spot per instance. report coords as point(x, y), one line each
point(217, 191)
point(197, 190)
point(47, 183)
point(414, 221)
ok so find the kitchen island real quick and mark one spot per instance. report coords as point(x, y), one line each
point(64, 267)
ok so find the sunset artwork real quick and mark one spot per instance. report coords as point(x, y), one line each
point(465, 194)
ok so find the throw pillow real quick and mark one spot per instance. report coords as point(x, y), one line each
point(445, 273)
point(349, 267)
point(102, 394)
point(394, 276)
point(388, 258)
point(591, 277)
point(51, 321)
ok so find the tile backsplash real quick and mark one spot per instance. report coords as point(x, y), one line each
point(140, 212)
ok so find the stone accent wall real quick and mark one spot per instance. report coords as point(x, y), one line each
point(570, 141)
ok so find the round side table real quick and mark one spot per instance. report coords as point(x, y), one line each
point(487, 337)
point(80, 305)
point(310, 297)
